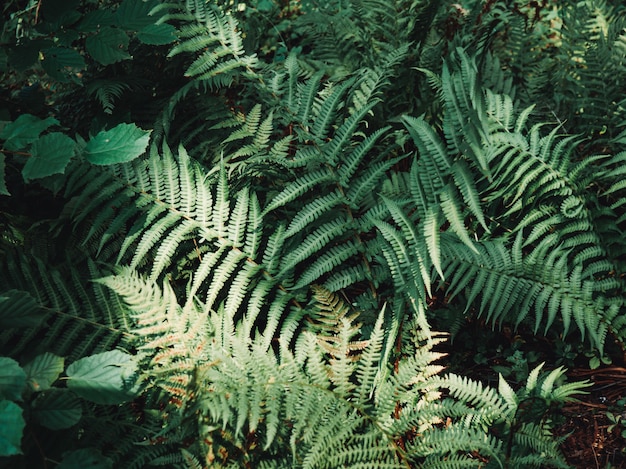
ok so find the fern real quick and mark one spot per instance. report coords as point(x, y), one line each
point(106, 92)
point(327, 403)
point(277, 273)
point(538, 179)
point(222, 53)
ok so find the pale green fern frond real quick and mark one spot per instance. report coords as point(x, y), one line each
point(217, 41)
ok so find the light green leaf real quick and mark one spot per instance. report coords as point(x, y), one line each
point(24, 130)
point(57, 409)
point(104, 378)
point(157, 34)
point(11, 428)
point(86, 457)
point(108, 46)
point(265, 5)
point(19, 309)
point(43, 370)
point(49, 155)
point(121, 144)
point(12, 379)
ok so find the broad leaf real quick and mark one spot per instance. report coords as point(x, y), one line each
point(96, 19)
point(49, 155)
point(57, 409)
point(134, 15)
point(108, 46)
point(43, 370)
point(157, 34)
point(265, 5)
point(121, 144)
point(12, 379)
point(11, 428)
point(24, 130)
point(83, 458)
point(104, 378)
point(62, 63)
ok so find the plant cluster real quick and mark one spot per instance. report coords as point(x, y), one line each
point(239, 222)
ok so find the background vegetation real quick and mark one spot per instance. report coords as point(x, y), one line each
point(351, 233)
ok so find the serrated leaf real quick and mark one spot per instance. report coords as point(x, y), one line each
point(96, 19)
point(62, 63)
point(24, 130)
point(49, 155)
point(134, 15)
point(12, 379)
point(121, 144)
point(83, 458)
point(108, 46)
point(157, 34)
point(11, 428)
point(104, 378)
point(19, 309)
point(43, 370)
point(26, 54)
point(57, 409)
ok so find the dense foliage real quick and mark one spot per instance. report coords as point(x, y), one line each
point(230, 230)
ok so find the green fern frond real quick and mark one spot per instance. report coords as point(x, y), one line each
point(218, 42)
point(63, 302)
point(107, 92)
point(307, 182)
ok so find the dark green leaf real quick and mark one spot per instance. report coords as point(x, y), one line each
point(57, 409)
point(95, 20)
point(157, 34)
point(3, 183)
point(24, 130)
point(133, 15)
point(121, 144)
point(19, 309)
point(50, 155)
point(56, 10)
point(11, 428)
point(104, 378)
point(26, 54)
point(85, 458)
point(4, 60)
point(66, 37)
point(43, 370)
point(108, 46)
point(62, 63)
point(12, 379)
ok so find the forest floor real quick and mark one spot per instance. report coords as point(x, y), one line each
point(593, 441)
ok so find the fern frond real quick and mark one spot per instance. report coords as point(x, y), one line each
point(107, 92)
point(218, 42)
